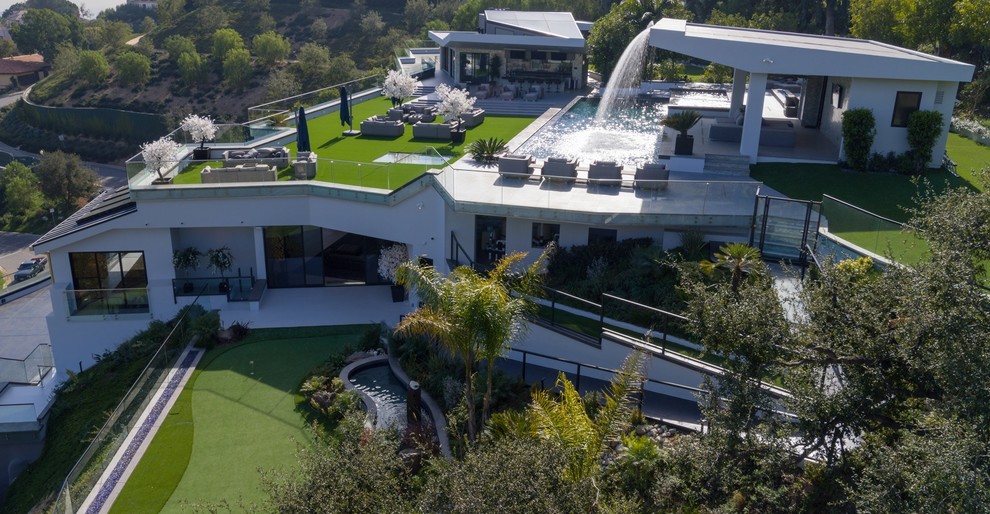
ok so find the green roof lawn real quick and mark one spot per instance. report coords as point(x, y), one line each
point(227, 423)
point(349, 160)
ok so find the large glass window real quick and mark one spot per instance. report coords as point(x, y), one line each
point(544, 233)
point(474, 67)
point(108, 283)
point(601, 235)
point(906, 103)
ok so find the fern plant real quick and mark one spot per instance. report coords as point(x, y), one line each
point(486, 150)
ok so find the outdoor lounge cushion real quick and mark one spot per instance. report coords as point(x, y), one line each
point(651, 175)
point(515, 166)
point(266, 153)
point(473, 118)
point(239, 173)
point(240, 154)
point(605, 172)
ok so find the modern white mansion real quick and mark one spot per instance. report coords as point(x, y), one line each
point(112, 260)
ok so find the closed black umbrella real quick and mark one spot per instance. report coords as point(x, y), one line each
point(302, 132)
point(345, 109)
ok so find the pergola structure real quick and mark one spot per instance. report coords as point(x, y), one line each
point(839, 74)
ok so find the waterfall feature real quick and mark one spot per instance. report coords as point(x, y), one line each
point(623, 84)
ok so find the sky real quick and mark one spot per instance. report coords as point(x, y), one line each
point(94, 6)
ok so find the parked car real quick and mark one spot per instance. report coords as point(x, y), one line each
point(30, 268)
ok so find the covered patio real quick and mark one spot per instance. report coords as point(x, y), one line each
point(837, 74)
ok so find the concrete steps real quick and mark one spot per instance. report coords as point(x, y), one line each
point(514, 107)
point(732, 165)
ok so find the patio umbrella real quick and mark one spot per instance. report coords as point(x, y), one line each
point(302, 132)
point(345, 108)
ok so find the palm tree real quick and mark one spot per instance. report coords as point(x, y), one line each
point(473, 316)
point(739, 259)
point(565, 420)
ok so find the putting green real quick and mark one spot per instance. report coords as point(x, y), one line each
point(236, 416)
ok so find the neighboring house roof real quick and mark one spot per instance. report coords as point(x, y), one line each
point(555, 24)
point(108, 205)
point(20, 64)
point(767, 51)
point(546, 30)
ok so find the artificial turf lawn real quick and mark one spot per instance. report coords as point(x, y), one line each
point(969, 157)
point(340, 155)
point(227, 424)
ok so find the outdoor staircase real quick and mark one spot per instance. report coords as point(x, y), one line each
point(733, 165)
point(423, 90)
point(783, 238)
point(513, 108)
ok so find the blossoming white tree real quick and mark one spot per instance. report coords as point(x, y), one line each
point(159, 153)
point(390, 259)
point(453, 102)
point(201, 128)
point(398, 86)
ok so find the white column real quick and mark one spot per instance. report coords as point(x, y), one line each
point(738, 92)
point(750, 144)
point(261, 269)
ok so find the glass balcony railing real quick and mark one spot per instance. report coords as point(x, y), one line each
point(107, 302)
point(393, 170)
point(684, 198)
point(29, 370)
point(239, 288)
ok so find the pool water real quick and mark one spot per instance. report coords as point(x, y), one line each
point(386, 391)
point(629, 136)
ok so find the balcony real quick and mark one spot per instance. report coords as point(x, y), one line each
point(29, 370)
point(108, 302)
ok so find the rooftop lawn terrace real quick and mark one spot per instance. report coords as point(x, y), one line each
point(349, 160)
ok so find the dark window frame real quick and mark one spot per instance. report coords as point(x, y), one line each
point(598, 235)
point(541, 231)
point(902, 110)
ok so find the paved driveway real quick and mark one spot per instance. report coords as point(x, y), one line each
point(14, 250)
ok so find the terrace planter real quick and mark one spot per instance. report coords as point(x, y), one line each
point(684, 145)
point(398, 294)
point(457, 136)
point(201, 154)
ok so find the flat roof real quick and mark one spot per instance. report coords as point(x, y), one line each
point(788, 53)
point(556, 24)
point(476, 40)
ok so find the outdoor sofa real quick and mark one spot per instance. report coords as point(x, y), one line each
point(651, 175)
point(473, 118)
point(278, 157)
point(605, 173)
point(439, 131)
point(515, 166)
point(559, 169)
point(379, 126)
point(239, 173)
point(772, 133)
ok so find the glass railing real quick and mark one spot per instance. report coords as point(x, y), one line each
point(29, 370)
point(102, 450)
point(107, 302)
point(872, 232)
point(393, 170)
point(288, 106)
point(238, 288)
point(666, 197)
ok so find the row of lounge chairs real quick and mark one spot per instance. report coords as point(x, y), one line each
point(602, 173)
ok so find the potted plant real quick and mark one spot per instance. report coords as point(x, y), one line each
point(221, 261)
point(158, 155)
point(682, 122)
point(389, 260)
point(398, 86)
point(186, 259)
point(454, 103)
point(201, 129)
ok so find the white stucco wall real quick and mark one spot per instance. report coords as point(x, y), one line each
point(879, 96)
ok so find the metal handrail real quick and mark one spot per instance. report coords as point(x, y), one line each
point(456, 250)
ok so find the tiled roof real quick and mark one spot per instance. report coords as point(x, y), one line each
point(108, 205)
point(22, 64)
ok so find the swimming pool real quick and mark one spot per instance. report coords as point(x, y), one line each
point(630, 136)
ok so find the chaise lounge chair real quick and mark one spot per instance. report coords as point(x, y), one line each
point(559, 169)
point(651, 175)
point(605, 173)
point(515, 166)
